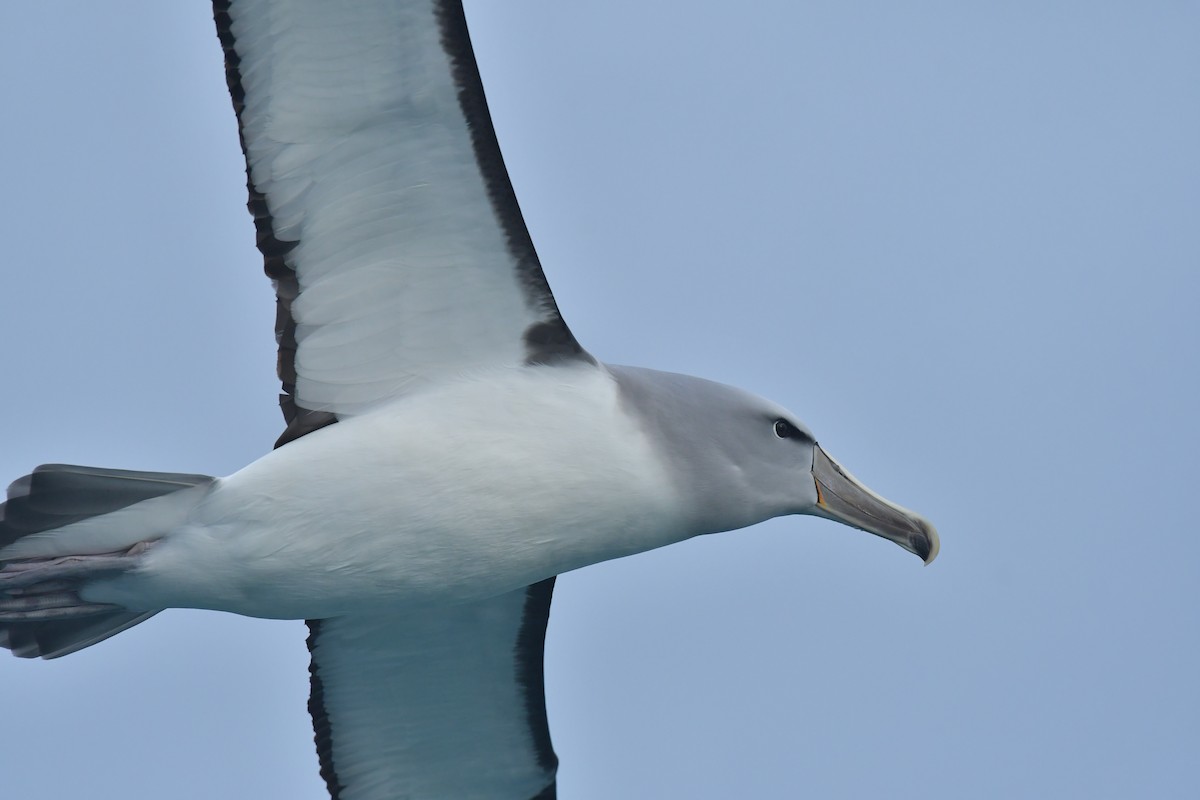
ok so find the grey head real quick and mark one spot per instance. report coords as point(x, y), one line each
point(739, 459)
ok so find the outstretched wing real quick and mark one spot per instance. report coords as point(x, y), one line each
point(444, 702)
point(399, 256)
point(383, 207)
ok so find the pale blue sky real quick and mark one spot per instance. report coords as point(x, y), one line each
point(960, 240)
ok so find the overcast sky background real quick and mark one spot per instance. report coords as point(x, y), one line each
point(960, 240)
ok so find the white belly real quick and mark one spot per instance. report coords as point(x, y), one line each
point(475, 489)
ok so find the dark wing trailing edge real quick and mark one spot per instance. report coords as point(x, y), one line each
point(299, 420)
point(399, 255)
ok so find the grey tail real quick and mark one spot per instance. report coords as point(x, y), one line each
point(41, 613)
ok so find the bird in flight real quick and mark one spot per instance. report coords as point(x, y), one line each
point(449, 446)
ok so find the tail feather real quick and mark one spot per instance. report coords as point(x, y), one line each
point(55, 496)
point(61, 637)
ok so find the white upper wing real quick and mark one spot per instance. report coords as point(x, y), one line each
point(382, 203)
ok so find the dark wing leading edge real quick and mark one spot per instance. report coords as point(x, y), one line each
point(399, 256)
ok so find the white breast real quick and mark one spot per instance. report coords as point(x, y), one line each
point(481, 487)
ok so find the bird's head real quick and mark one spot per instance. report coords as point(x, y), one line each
point(739, 459)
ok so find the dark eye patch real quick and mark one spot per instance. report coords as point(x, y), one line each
point(786, 430)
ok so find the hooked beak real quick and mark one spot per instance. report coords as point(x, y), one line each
point(843, 499)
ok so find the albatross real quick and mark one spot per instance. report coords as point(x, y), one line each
point(449, 446)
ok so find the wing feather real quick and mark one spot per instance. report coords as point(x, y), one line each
point(440, 703)
point(384, 211)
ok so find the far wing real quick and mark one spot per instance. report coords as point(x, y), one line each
point(383, 207)
point(440, 703)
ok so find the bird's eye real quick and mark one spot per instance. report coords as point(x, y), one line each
point(786, 430)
